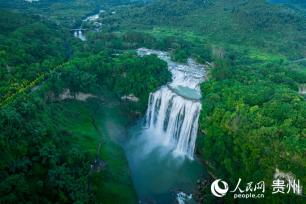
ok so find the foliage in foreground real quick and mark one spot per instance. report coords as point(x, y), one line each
point(254, 122)
point(40, 160)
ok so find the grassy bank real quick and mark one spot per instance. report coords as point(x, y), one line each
point(89, 126)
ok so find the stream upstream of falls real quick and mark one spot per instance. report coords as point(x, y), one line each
point(160, 151)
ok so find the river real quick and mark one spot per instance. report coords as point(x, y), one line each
point(161, 149)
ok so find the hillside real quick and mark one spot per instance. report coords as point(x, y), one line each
point(51, 149)
point(256, 24)
point(70, 109)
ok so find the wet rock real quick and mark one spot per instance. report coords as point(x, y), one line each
point(98, 165)
point(130, 97)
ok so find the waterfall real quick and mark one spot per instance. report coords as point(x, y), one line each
point(176, 118)
point(79, 33)
point(173, 110)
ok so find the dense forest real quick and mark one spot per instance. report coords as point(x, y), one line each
point(39, 161)
point(55, 146)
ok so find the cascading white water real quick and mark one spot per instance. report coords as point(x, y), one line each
point(79, 33)
point(173, 110)
point(174, 117)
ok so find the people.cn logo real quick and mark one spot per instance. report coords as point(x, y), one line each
point(217, 190)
